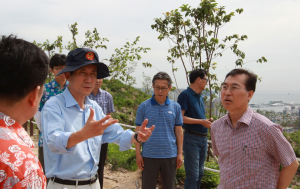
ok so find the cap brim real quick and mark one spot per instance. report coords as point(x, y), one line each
point(102, 69)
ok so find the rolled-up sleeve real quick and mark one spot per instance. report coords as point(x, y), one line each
point(116, 134)
point(55, 137)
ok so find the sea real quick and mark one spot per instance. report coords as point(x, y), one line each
point(264, 97)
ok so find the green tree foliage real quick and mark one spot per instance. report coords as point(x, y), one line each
point(121, 64)
point(194, 33)
point(119, 67)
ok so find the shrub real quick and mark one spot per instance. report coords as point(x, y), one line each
point(118, 159)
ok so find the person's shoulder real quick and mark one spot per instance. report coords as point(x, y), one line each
point(57, 99)
point(176, 104)
point(262, 120)
point(219, 122)
point(146, 103)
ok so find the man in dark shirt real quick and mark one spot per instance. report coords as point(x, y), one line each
point(196, 126)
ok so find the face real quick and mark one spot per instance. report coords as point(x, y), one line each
point(234, 95)
point(82, 81)
point(57, 69)
point(161, 90)
point(98, 83)
point(202, 82)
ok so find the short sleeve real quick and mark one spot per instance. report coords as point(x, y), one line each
point(183, 101)
point(179, 120)
point(213, 142)
point(279, 147)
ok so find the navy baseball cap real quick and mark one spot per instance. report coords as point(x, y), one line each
point(80, 57)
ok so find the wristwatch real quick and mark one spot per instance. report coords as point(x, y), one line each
point(136, 137)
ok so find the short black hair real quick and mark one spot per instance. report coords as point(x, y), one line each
point(197, 73)
point(251, 78)
point(23, 67)
point(162, 76)
point(58, 60)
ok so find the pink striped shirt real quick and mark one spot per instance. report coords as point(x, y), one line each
point(250, 154)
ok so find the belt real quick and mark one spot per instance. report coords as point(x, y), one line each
point(196, 133)
point(74, 182)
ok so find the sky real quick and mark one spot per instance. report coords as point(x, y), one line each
point(272, 28)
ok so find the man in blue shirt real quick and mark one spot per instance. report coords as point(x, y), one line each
point(74, 126)
point(196, 126)
point(163, 151)
point(54, 87)
point(105, 101)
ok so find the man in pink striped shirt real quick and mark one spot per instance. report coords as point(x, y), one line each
point(250, 146)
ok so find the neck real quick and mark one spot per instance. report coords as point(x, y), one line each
point(95, 91)
point(61, 82)
point(161, 102)
point(235, 116)
point(16, 112)
point(195, 88)
point(79, 98)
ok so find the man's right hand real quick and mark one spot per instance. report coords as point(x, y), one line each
point(94, 128)
point(91, 129)
point(206, 123)
point(140, 161)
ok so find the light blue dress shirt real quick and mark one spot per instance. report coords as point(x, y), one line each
point(62, 116)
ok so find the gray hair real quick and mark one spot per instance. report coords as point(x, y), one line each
point(162, 76)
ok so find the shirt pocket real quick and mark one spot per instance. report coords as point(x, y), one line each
point(252, 157)
point(170, 118)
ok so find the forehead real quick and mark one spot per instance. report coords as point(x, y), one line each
point(90, 67)
point(161, 82)
point(236, 80)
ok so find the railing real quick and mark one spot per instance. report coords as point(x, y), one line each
point(209, 149)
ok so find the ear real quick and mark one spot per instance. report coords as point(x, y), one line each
point(34, 96)
point(170, 87)
point(67, 75)
point(250, 95)
point(51, 70)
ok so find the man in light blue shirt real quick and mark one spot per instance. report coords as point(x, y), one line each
point(74, 126)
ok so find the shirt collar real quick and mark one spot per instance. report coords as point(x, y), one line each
point(246, 118)
point(153, 101)
point(193, 92)
point(70, 100)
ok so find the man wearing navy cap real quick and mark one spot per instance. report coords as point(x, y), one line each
point(74, 126)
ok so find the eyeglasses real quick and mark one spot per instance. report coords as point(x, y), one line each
point(58, 68)
point(206, 79)
point(231, 89)
point(162, 89)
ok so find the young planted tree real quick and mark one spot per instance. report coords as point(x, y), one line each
point(123, 62)
point(194, 33)
point(147, 83)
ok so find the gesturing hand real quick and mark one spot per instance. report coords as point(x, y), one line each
point(144, 132)
point(94, 128)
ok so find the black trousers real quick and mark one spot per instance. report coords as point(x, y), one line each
point(152, 166)
point(101, 164)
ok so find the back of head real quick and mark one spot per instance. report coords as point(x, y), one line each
point(197, 73)
point(58, 60)
point(251, 80)
point(162, 76)
point(23, 67)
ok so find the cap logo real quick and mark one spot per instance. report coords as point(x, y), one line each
point(90, 56)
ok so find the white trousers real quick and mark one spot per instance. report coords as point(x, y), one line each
point(54, 185)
